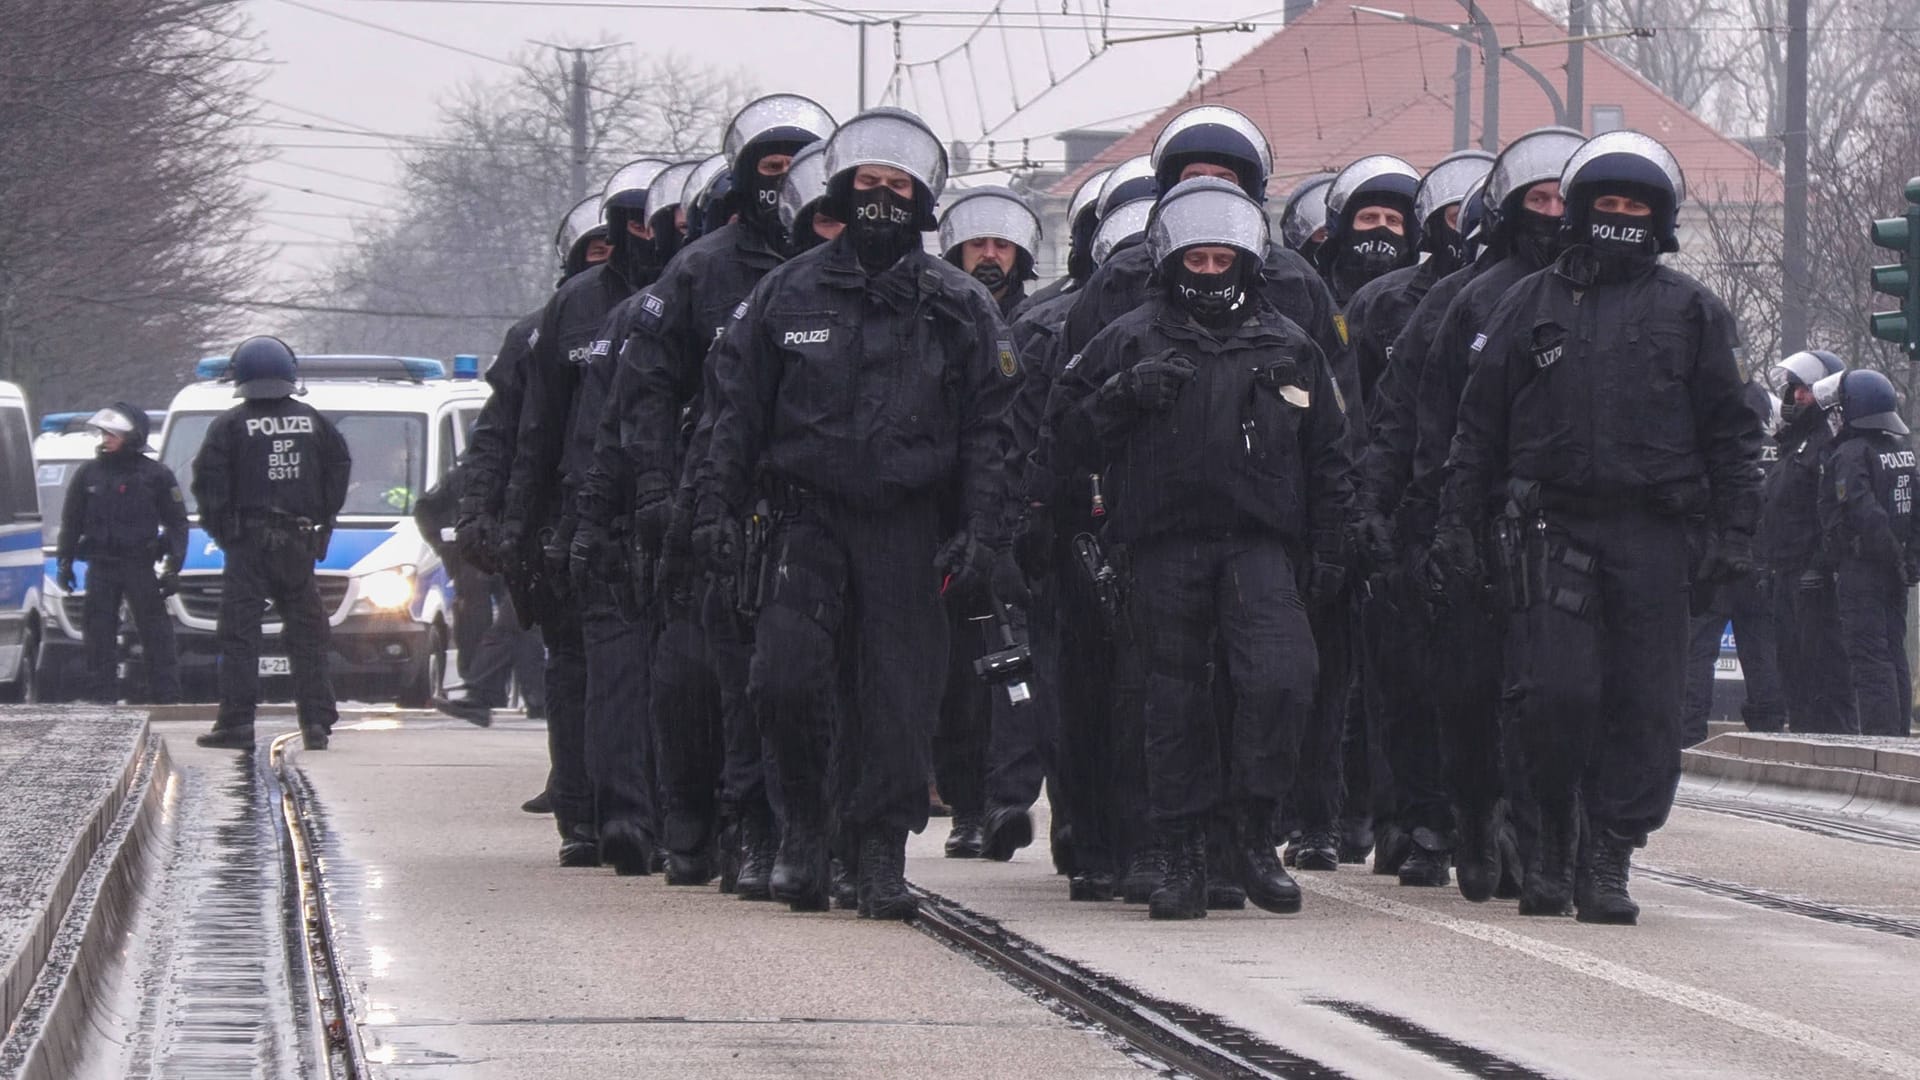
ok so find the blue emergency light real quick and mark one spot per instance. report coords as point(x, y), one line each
point(410, 368)
point(466, 366)
point(60, 423)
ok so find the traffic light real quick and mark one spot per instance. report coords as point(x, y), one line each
point(1901, 279)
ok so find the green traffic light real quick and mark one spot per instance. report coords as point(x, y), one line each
point(1913, 191)
point(1890, 326)
point(1891, 279)
point(1893, 232)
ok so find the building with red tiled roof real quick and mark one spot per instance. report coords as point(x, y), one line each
point(1337, 84)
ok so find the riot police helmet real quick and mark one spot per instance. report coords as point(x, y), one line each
point(992, 212)
point(1131, 179)
point(1537, 156)
point(1807, 368)
point(1121, 224)
point(669, 189)
point(580, 227)
point(1214, 135)
point(805, 182)
point(1207, 211)
point(1866, 399)
point(122, 421)
point(775, 124)
point(1448, 184)
point(263, 367)
point(1083, 218)
point(897, 139)
point(1305, 213)
point(1625, 163)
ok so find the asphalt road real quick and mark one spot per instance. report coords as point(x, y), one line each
point(1763, 951)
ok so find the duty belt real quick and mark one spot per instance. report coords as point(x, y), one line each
point(1680, 498)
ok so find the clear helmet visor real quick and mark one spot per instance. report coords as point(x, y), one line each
point(1126, 220)
point(110, 421)
point(669, 188)
point(584, 216)
point(1538, 155)
point(701, 176)
point(1450, 182)
point(1206, 211)
point(1630, 143)
point(1355, 176)
point(1221, 116)
point(996, 212)
point(1826, 392)
point(1134, 168)
point(1802, 368)
point(794, 116)
point(893, 138)
point(1475, 190)
point(629, 184)
point(1306, 213)
point(1087, 194)
point(806, 181)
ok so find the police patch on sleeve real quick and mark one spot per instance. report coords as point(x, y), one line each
point(1074, 362)
point(1340, 327)
point(740, 310)
point(533, 337)
point(1009, 362)
point(1479, 342)
point(651, 310)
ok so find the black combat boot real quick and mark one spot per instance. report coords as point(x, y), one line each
point(1391, 846)
point(1060, 839)
point(1090, 885)
point(1602, 895)
point(883, 875)
point(1548, 888)
point(1315, 849)
point(846, 885)
point(227, 738)
point(1183, 894)
point(539, 804)
point(1478, 859)
point(1258, 868)
point(1223, 888)
point(1513, 865)
point(758, 849)
point(314, 738)
point(1007, 829)
point(1427, 866)
point(965, 840)
point(1356, 839)
point(1145, 871)
point(579, 845)
point(628, 847)
point(800, 869)
point(726, 854)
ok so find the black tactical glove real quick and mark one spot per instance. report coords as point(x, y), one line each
point(556, 546)
point(169, 581)
point(476, 538)
point(1034, 543)
point(586, 557)
point(1151, 385)
point(964, 561)
point(1455, 557)
point(64, 577)
point(1373, 539)
point(718, 543)
point(509, 540)
point(1009, 581)
point(1728, 558)
point(652, 510)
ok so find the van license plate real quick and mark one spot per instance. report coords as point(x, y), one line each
point(275, 665)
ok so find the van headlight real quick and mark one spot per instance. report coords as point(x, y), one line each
point(386, 590)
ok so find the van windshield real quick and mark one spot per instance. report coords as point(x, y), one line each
point(388, 449)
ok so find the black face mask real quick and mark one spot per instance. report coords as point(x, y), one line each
point(992, 275)
point(882, 229)
point(1365, 255)
point(1538, 236)
point(760, 200)
point(1620, 235)
point(1449, 250)
point(1210, 298)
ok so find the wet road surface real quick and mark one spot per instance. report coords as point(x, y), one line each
point(1764, 951)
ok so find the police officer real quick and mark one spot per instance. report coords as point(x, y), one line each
point(1604, 409)
point(269, 480)
point(707, 740)
point(803, 192)
point(123, 513)
point(1371, 227)
point(1213, 421)
point(1867, 522)
point(1303, 221)
point(1522, 197)
point(534, 514)
point(580, 243)
point(1806, 611)
point(1082, 218)
point(863, 385)
point(1408, 794)
point(990, 234)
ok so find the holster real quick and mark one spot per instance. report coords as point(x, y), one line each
point(1107, 575)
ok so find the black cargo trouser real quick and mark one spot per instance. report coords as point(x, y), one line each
point(1102, 748)
point(618, 739)
point(966, 709)
point(1397, 664)
point(1813, 662)
point(1873, 624)
point(568, 786)
point(1748, 606)
point(280, 570)
point(1319, 794)
point(1598, 665)
point(110, 580)
point(1190, 597)
point(850, 661)
point(1024, 738)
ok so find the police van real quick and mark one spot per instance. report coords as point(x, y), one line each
point(387, 595)
point(21, 561)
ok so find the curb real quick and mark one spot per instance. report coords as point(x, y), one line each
point(1838, 785)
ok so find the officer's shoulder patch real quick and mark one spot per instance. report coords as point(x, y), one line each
point(1479, 342)
point(1073, 361)
point(602, 347)
point(1340, 327)
point(652, 308)
point(533, 337)
point(1009, 361)
point(740, 310)
point(177, 497)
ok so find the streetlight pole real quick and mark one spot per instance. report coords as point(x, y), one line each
point(1489, 122)
point(577, 111)
point(1490, 57)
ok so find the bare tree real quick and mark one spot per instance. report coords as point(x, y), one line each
point(472, 243)
point(121, 192)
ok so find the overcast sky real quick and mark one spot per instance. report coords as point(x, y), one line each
point(361, 65)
